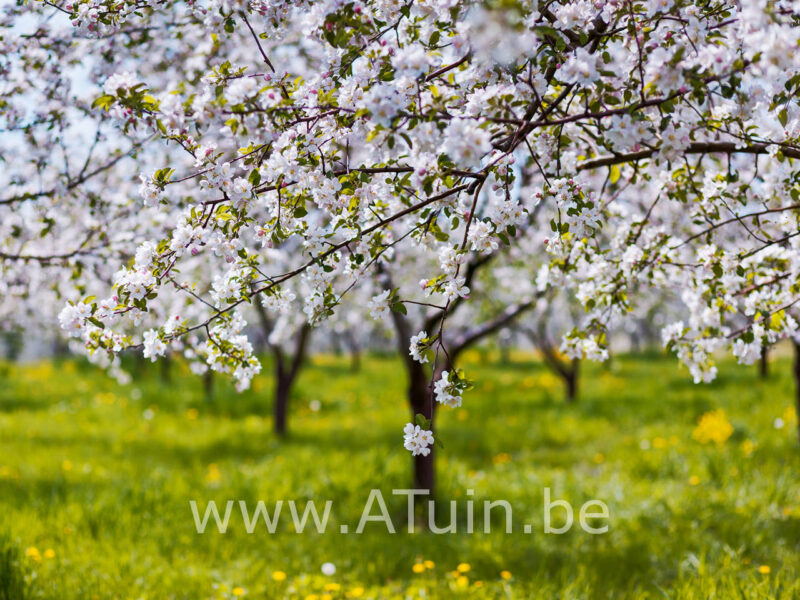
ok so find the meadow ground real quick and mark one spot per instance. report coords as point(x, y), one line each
point(96, 478)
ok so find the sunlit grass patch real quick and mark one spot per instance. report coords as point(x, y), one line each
point(96, 480)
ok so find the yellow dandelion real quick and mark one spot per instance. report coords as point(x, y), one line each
point(312, 597)
point(429, 564)
point(502, 458)
point(713, 427)
point(238, 591)
point(747, 447)
point(49, 553)
point(326, 597)
point(462, 581)
point(191, 414)
point(463, 568)
point(33, 554)
point(694, 480)
point(505, 575)
point(278, 576)
point(356, 592)
point(478, 584)
point(332, 587)
point(66, 465)
point(418, 568)
point(764, 569)
point(599, 458)
point(659, 443)
point(213, 474)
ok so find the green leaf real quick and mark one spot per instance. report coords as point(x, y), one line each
point(783, 117)
point(105, 101)
point(614, 174)
point(420, 420)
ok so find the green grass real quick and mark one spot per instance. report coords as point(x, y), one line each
point(94, 496)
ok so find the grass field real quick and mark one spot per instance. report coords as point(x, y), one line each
point(96, 478)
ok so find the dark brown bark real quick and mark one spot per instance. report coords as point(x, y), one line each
point(286, 371)
point(763, 364)
point(571, 379)
point(421, 401)
point(286, 368)
point(280, 407)
point(208, 384)
point(569, 371)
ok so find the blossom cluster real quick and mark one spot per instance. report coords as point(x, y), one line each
point(417, 440)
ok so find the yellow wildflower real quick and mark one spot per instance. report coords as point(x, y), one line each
point(501, 458)
point(33, 554)
point(747, 448)
point(713, 427)
point(213, 475)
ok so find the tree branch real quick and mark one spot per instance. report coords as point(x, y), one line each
point(694, 148)
point(489, 327)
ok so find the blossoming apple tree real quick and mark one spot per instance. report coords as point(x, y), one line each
point(659, 139)
point(68, 212)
